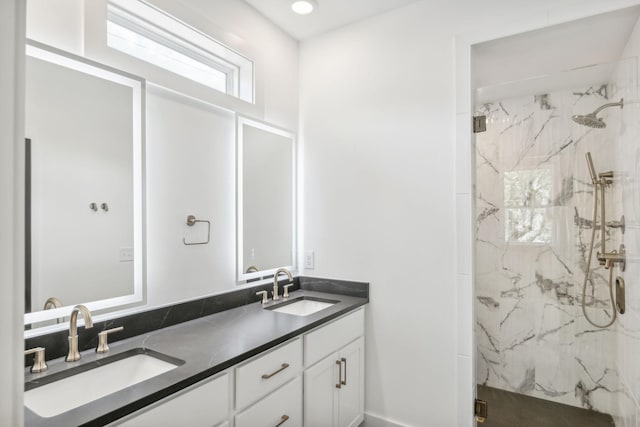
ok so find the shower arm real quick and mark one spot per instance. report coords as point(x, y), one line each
point(611, 104)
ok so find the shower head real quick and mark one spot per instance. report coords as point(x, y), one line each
point(591, 120)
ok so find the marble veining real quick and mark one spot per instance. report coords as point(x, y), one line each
point(533, 221)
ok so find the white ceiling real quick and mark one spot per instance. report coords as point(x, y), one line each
point(517, 65)
point(329, 15)
point(544, 58)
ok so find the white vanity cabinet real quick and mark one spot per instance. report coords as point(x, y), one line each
point(204, 404)
point(334, 386)
point(274, 381)
point(316, 380)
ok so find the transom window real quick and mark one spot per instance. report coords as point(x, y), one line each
point(152, 35)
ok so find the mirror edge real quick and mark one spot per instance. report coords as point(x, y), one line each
point(242, 277)
point(138, 85)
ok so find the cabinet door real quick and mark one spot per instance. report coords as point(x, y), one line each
point(351, 392)
point(320, 393)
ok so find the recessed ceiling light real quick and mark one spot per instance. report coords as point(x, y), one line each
point(304, 7)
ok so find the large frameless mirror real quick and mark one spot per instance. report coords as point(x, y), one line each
point(266, 202)
point(84, 124)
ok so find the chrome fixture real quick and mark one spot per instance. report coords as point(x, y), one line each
point(283, 419)
point(52, 302)
point(603, 180)
point(39, 364)
point(606, 259)
point(103, 346)
point(265, 297)
point(93, 206)
point(191, 221)
point(279, 271)
point(282, 368)
point(590, 120)
point(104, 207)
point(252, 269)
point(73, 330)
point(285, 295)
point(620, 295)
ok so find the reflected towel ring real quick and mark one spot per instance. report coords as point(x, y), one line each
point(191, 221)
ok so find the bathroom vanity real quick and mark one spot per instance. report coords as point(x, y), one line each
point(227, 359)
point(246, 366)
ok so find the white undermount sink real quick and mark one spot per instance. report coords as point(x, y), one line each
point(83, 387)
point(303, 306)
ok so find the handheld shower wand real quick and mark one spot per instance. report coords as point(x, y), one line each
point(608, 259)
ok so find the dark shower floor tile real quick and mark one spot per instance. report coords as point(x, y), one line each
point(507, 409)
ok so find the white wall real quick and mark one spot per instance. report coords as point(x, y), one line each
point(190, 169)
point(377, 119)
point(11, 211)
point(190, 145)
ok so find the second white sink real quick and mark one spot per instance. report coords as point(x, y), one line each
point(303, 306)
point(76, 390)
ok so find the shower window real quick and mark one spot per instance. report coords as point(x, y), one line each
point(527, 202)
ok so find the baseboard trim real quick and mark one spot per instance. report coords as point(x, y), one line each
point(372, 420)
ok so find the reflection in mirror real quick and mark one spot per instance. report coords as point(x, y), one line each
point(84, 230)
point(266, 199)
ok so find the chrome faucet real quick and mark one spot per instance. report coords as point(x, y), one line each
point(275, 281)
point(73, 330)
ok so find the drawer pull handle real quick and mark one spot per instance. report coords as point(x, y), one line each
point(282, 368)
point(339, 363)
point(344, 382)
point(284, 420)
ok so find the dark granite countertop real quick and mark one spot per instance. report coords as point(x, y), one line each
point(207, 345)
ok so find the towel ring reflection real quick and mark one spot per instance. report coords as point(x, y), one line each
point(191, 221)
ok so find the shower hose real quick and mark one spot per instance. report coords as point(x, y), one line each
point(586, 275)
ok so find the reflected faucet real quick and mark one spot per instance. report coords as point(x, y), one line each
point(275, 281)
point(52, 302)
point(73, 330)
point(252, 269)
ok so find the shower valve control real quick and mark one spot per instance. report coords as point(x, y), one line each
point(609, 259)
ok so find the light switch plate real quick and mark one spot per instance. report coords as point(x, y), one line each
point(309, 260)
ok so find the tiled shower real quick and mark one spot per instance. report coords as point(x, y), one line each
point(533, 219)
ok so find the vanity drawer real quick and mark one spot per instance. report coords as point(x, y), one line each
point(266, 373)
point(281, 408)
point(203, 404)
point(331, 337)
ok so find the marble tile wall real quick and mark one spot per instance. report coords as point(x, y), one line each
point(626, 133)
point(534, 208)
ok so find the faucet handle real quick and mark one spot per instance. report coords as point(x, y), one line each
point(103, 347)
point(286, 290)
point(265, 296)
point(39, 364)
